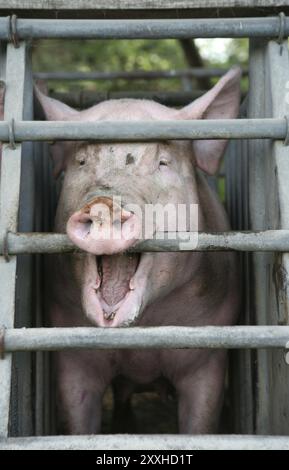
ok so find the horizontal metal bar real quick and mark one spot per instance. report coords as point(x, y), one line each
point(147, 442)
point(194, 72)
point(177, 337)
point(106, 7)
point(269, 240)
point(145, 29)
point(85, 99)
point(132, 131)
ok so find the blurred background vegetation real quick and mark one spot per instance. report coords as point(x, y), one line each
point(128, 55)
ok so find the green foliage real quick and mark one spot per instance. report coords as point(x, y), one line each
point(110, 55)
point(127, 55)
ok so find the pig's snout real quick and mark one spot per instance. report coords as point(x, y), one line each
point(103, 227)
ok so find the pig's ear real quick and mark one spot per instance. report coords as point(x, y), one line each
point(54, 110)
point(221, 102)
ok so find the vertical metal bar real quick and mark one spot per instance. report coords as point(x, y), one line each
point(22, 396)
point(40, 395)
point(186, 83)
point(45, 208)
point(272, 395)
point(255, 382)
point(257, 215)
point(9, 206)
point(268, 190)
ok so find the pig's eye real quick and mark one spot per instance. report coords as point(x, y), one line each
point(163, 162)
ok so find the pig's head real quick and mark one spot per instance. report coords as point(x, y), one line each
point(115, 286)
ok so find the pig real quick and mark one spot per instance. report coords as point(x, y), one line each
point(105, 286)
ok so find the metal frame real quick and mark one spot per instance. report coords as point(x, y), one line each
point(145, 442)
point(262, 241)
point(21, 415)
point(139, 5)
point(271, 27)
point(9, 200)
point(116, 131)
point(269, 171)
point(231, 337)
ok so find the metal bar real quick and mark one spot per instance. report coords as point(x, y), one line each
point(260, 203)
point(85, 99)
point(271, 372)
point(115, 131)
point(105, 7)
point(9, 206)
point(194, 72)
point(145, 29)
point(22, 411)
point(268, 240)
point(146, 442)
point(223, 337)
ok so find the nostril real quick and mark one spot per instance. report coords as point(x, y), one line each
point(100, 214)
point(103, 214)
point(82, 230)
point(81, 227)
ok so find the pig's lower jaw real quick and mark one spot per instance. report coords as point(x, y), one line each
point(124, 313)
point(113, 293)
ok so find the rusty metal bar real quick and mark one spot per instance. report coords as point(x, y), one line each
point(268, 240)
point(115, 131)
point(177, 337)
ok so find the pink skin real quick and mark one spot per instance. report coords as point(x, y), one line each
point(112, 290)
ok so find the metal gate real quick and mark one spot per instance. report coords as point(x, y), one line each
point(259, 206)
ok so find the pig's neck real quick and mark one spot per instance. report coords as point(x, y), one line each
point(207, 269)
point(212, 215)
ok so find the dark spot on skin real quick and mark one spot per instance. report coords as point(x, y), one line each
point(129, 159)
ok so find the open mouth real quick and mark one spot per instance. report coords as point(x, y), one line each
point(115, 272)
point(114, 280)
point(114, 296)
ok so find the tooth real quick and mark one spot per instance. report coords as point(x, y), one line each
point(109, 315)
